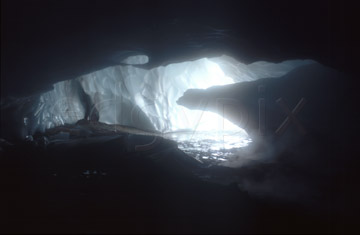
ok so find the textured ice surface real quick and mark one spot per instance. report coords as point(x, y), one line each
point(212, 147)
point(146, 98)
point(136, 59)
point(128, 95)
point(59, 106)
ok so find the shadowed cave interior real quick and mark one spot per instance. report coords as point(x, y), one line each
point(225, 120)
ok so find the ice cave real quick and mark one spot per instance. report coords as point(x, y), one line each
point(179, 117)
point(147, 98)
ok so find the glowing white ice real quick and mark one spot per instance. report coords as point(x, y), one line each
point(146, 99)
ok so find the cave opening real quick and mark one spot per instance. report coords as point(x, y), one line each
point(166, 101)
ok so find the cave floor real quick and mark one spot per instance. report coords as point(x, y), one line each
point(99, 184)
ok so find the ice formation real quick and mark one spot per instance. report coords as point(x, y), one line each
point(146, 98)
point(136, 59)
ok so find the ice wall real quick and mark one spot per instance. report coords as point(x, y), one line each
point(146, 99)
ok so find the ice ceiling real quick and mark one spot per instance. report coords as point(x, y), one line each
point(146, 98)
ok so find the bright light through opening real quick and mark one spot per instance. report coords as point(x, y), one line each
point(121, 94)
